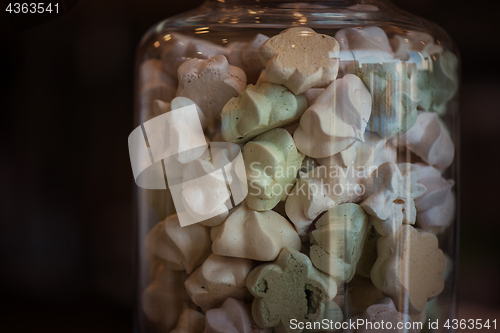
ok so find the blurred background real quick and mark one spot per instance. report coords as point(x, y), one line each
point(66, 234)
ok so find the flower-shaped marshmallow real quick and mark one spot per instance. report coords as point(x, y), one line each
point(232, 316)
point(336, 120)
point(245, 55)
point(389, 196)
point(289, 288)
point(385, 312)
point(300, 58)
point(161, 301)
point(217, 279)
point(429, 140)
point(395, 97)
point(179, 48)
point(337, 241)
point(247, 233)
point(258, 109)
point(210, 84)
point(367, 44)
point(436, 207)
point(272, 163)
point(183, 248)
point(190, 321)
point(409, 268)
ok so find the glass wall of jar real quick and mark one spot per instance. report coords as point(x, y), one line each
point(296, 169)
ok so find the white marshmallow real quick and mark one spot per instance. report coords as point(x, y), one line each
point(232, 316)
point(183, 248)
point(385, 312)
point(389, 196)
point(210, 84)
point(180, 48)
point(245, 56)
point(247, 233)
point(336, 120)
point(217, 279)
point(300, 59)
point(430, 141)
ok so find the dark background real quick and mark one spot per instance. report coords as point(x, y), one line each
point(66, 235)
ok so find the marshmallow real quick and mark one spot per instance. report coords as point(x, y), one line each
point(361, 293)
point(365, 45)
point(336, 120)
point(190, 321)
point(181, 48)
point(258, 109)
point(247, 233)
point(438, 82)
point(369, 253)
point(245, 56)
point(183, 248)
point(385, 312)
point(217, 279)
point(395, 97)
point(289, 288)
point(154, 84)
point(312, 95)
point(337, 241)
point(318, 191)
point(161, 301)
point(389, 196)
point(436, 207)
point(409, 268)
point(416, 41)
point(160, 107)
point(300, 58)
point(272, 163)
point(210, 84)
point(430, 141)
point(232, 316)
point(363, 156)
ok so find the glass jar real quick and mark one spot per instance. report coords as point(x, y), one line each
point(296, 169)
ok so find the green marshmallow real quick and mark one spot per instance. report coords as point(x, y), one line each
point(258, 109)
point(395, 97)
point(337, 242)
point(272, 162)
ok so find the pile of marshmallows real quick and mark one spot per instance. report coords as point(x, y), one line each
point(349, 129)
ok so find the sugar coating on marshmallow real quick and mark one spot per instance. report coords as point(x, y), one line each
point(317, 191)
point(179, 48)
point(258, 109)
point(210, 84)
point(336, 120)
point(161, 301)
point(337, 241)
point(436, 207)
point(247, 233)
point(409, 263)
point(232, 316)
point(300, 58)
point(385, 311)
point(190, 321)
point(430, 140)
point(272, 163)
point(390, 194)
point(289, 288)
point(245, 55)
point(183, 248)
point(438, 82)
point(217, 279)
